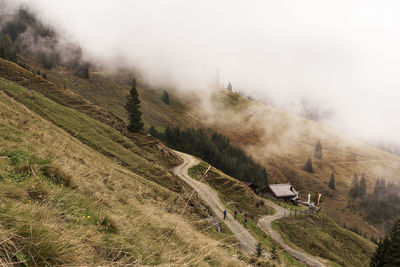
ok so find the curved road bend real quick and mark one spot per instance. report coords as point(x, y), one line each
point(265, 223)
point(208, 195)
point(247, 241)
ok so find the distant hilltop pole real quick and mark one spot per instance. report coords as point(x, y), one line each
point(229, 87)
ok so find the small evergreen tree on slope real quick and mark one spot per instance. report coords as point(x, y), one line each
point(133, 109)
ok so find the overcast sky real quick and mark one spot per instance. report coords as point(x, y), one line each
point(344, 55)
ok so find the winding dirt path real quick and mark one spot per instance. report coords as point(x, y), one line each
point(247, 241)
point(208, 195)
point(265, 223)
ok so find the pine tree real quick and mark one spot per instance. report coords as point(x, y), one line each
point(376, 189)
point(388, 251)
point(229, 87)
point(377, 257)
point(318, 150)
point(308, 167)
point(355, 187)
point(2, 52)
point(380, 187)
point(133, 109)
point(9, 50)
point(332, 181)
point(392, 255)
point(363, 186)
point(165, 97)
point(85, 71)
point(154, 132)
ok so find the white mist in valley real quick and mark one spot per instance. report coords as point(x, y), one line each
point(340, 57)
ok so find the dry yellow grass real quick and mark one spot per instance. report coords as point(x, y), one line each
point(284, 141)
point(275, 138)
point(69, 219)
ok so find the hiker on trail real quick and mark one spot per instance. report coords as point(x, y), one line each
point(245, 220)
point(224, 214)
point(235, 214)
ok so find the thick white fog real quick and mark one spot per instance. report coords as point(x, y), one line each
point(342, 56)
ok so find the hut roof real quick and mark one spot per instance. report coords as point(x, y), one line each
point(283, 190)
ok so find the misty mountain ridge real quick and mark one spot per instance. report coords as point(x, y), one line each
point(83, 102)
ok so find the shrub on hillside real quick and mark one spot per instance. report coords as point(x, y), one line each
point(308, 167)
point(355, 187)
point(318, 150)
point(332, 182)
point(165, 97)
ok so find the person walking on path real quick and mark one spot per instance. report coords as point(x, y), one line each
point(245, 220)
point(224, 214)
point(235, 214)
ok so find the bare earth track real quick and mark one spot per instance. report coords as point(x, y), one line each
point(208, 195)
point(247, 241)
point(265, 223)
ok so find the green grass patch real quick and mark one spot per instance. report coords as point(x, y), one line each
point(95, 134)
point(20, 165)
point(231, 191)
point(289, 206)
point(320, 236)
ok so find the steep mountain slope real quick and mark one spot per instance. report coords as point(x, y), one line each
point(66, 200)
point(320, 236)
point(284, 141)
point(280, 140)
point(105, 200)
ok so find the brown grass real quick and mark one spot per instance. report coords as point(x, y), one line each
point(110, 215)
point(279, 140)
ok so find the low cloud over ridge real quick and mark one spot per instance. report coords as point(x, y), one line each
point(342, 55)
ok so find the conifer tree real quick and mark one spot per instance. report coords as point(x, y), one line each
point(332, 182)
point(318, 150)
point(2, 52)
point(363, 186)
point(218, 151)
point(378, 257)
point(308, 167)
point(380, 187)
point(85, 71)
point(392, 255)
point(388, 251)
point(165, 97)
point(133, 109)
point(154, 132)
point(355, 187)
point(8, 48)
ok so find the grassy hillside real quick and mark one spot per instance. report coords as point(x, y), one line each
point(153, 149)
point(280, 140)
point(321, 236)
point(109, 90)
point(233, 192)
point(236, 196)
point(284, 141)
point(66, 200)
